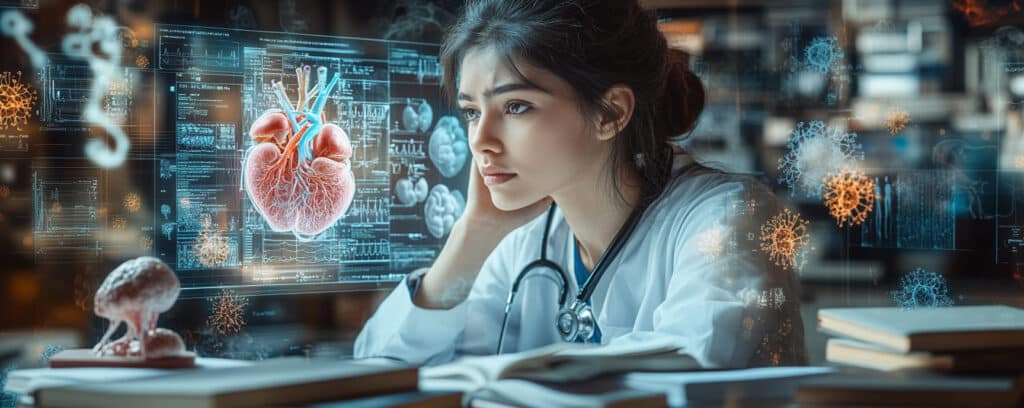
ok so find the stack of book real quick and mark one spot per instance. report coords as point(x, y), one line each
point(962, 355)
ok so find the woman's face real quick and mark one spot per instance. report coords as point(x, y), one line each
point(539, 135)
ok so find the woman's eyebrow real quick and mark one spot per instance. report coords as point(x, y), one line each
point(515, 86)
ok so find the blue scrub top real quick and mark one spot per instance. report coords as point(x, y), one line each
point(582, 274)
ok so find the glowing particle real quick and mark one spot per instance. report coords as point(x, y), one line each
point(118, 223)
point(5, 191)
point(16, 101)
point(849, 197)
point(815, 151)
point(142, 61)
point(710, 242)
point(748, 326)
point(822, 53)
point(1018, 161)
point(897, 120)
point(783, 237)
point(56, 208)
point(772, 298)
point(132, 202)
point(211, 248)
point(228, 314)
point(921, 288)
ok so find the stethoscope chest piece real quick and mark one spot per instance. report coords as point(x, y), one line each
point(576, 321)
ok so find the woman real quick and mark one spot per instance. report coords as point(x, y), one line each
point(576, 103)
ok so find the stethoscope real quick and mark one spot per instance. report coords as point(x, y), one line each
point(575, 321)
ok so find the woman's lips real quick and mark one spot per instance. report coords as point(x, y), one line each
point(497, 178)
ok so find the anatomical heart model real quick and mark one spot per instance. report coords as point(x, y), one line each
point(298, 174)
point(135, 293)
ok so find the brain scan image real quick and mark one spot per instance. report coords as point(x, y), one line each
point(449, 148)
point(418, 118)
point(443, 208)
point(410, 193)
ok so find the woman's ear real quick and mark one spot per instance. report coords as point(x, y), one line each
point(622, 101)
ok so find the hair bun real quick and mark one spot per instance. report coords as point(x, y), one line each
point(682, 97)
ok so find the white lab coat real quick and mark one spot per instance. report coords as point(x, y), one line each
point(693, 272)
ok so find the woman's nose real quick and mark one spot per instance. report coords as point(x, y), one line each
point(484, 137)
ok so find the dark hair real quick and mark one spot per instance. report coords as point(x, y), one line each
point(593, 45)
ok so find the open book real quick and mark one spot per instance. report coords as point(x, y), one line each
point(563, 362)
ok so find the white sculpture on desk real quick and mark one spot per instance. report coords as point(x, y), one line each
point(136, 293)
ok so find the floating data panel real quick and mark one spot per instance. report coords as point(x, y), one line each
point(409, 158)
point(913, 210)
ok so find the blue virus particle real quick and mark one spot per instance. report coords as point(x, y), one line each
point(822, 53)
point(51, 350)
point(920, 288)
point(815, 152)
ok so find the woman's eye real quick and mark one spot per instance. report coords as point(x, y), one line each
point(517, 108)
point(470, 114)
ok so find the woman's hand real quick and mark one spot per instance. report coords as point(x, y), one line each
point(472, 239)
point(480, 209)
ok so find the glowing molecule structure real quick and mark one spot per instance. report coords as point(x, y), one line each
point(815, 151)
point(783, 237)
point(14, 24)
point(897, 120)
point(16, 101)
point(920, 288)
point(228, 314)
point(849, 197)
point(822, 53)
point(91, 34)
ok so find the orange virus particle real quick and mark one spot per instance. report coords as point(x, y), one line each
point(5, 191)
point(782, 238)
point(56, 207)
point(16, 101)
point(849, 197)
point(897, 120)
point(142, 61)
point(228, 314)
point(132, 202)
